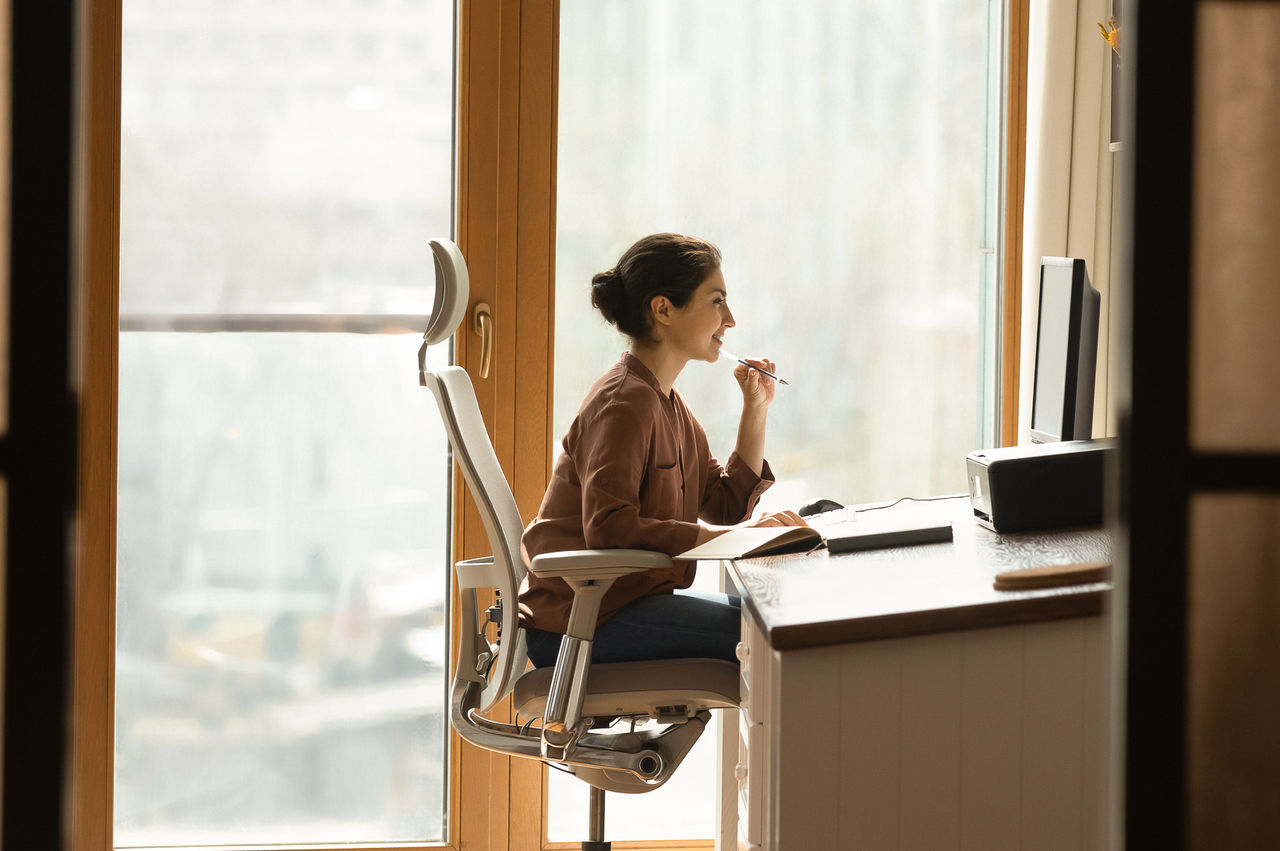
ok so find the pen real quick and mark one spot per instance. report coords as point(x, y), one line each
point(756, 368)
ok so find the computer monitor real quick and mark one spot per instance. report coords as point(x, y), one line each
point(1066, 352)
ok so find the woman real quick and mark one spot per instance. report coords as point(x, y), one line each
point(636, 471)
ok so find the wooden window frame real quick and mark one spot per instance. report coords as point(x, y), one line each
point(93, 647)
point(1015, 188)
point(91, 809)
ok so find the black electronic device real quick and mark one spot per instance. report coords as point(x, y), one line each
point(1066, 352)
point(818, 506)
point(1039, 486)
point(871, 538)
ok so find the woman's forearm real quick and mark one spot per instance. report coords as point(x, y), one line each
point(706, 533)
point(750, 446)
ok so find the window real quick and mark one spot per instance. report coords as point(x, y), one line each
point(845, 157)
point(283, 536)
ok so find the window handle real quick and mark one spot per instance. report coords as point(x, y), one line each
point(482, 324)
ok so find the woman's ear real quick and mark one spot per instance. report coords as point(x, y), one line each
point(662, 309)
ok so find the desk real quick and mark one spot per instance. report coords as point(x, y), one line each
point(893, 699)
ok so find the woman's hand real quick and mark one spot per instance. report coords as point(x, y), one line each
point(757, 395)
point(777, 518)
point(757, 388)
point(773, 518)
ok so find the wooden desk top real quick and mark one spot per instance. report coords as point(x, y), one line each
point(817, 599)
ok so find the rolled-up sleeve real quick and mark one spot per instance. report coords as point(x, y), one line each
point(730, 493)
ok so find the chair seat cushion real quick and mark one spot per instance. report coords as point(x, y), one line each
point(640, 688)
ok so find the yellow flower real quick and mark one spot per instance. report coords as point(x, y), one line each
point(1111, 34)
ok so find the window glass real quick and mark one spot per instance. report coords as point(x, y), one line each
point(282, 619)
point(844, 156)
point(284, 157)
point(837, 153)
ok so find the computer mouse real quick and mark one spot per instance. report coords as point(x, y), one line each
point(818, 506)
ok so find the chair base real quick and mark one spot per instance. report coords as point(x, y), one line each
point(589, 845)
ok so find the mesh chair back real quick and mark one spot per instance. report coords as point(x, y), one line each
point(488, 486)
point(493, 668)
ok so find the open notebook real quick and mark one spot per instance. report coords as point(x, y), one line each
point(750, 541)
point(844, 536)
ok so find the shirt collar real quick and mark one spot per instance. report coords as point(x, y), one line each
point(633, 364)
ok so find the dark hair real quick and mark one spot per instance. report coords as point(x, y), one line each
point(668, 264)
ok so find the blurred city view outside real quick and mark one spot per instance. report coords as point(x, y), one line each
point(283, 559)
point(845, 157)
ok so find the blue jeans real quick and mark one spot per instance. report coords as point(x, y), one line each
point(684, 624)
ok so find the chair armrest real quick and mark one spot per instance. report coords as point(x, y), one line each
point(590, 573)
point(597, 564)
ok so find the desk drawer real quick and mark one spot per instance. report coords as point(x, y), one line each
point(753, 662)
point(750, 774)
point(742, 651)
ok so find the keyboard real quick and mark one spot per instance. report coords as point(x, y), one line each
point(848, 530)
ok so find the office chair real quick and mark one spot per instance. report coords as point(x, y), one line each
point(622, 727)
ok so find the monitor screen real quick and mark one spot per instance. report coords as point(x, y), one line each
point(1066, 352)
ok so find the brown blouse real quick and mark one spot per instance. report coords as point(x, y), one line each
point(636, 472)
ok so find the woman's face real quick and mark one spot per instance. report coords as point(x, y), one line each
point(698, 327)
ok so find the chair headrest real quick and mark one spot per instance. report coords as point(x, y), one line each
point(453, 289)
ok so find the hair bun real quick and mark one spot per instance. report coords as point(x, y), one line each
point(662, 264)
point(609, 294)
